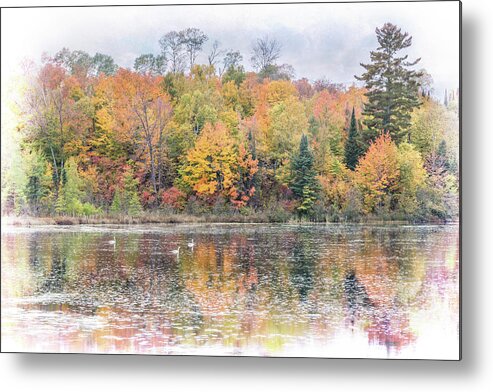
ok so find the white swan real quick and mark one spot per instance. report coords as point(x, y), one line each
point(191, 244)
point(176, 251)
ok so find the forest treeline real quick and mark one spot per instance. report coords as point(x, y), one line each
point(172, 136)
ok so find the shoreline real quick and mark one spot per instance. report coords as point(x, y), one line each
point(28, 221)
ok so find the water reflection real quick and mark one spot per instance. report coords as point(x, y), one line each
point(280, 290)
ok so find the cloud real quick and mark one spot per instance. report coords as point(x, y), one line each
point(319, 40)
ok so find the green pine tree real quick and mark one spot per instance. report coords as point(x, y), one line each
point(304, 182)
point(392, 85)
point(352, 149)
point(116, 205)
point(69, 196)
point(131, 196)
point(126, 200)
point(37, 186)
point(443, 156)
point(133, 204)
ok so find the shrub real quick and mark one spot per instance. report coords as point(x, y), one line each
point(173, 198)
point(278, 215)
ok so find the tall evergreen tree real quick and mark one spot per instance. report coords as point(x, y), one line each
point(392, 85)
point(304, 182)
point(352, 149)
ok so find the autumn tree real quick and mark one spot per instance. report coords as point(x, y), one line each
point(392, 85)
point(216, 166)
point(211, 164)
point(287, 123)
point(305, 89)
point(173, 198)
point(214, 55)
point(56, 116)
point(193, 40)
point(330, 113)
point(438, 198)
point(173, 50)
point(338, 192)
point(142, 109)
point(103, 64)
point(412, 177)
point(194, 110)
point(429, 126)
point(232, 59)
point(82, 64)
point(74, 62)
point(233, 70)
point(150, 64)
point(277, 72)
point(377, 174)
point(326, 84)
point(246, 167)
point(45, 114)
point(265, 52)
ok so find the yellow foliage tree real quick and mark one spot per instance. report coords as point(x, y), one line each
point(279, 91)
point(412, 176)
point(428, 125)
point(287, 123)
point(335, 182)
point(211, 164)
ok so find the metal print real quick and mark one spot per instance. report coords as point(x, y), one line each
point(239, 180)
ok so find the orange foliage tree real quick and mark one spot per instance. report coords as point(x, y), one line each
point(143, 110)
point(377, 173)
point(244, 188)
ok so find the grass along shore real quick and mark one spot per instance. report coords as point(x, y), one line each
point(156, 218)
point(121, 220)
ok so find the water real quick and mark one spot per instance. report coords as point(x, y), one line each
point(269, 290)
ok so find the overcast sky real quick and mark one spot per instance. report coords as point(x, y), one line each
point(318, 40)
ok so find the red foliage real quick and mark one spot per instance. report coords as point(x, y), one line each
point(290, 205)
point(52, 76)
point(173, 198)
point(305, 89)
point(147, 199)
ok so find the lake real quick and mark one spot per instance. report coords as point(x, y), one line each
point(379, 291)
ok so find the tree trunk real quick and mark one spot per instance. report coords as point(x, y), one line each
point(153, 168)
point(57, 175)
